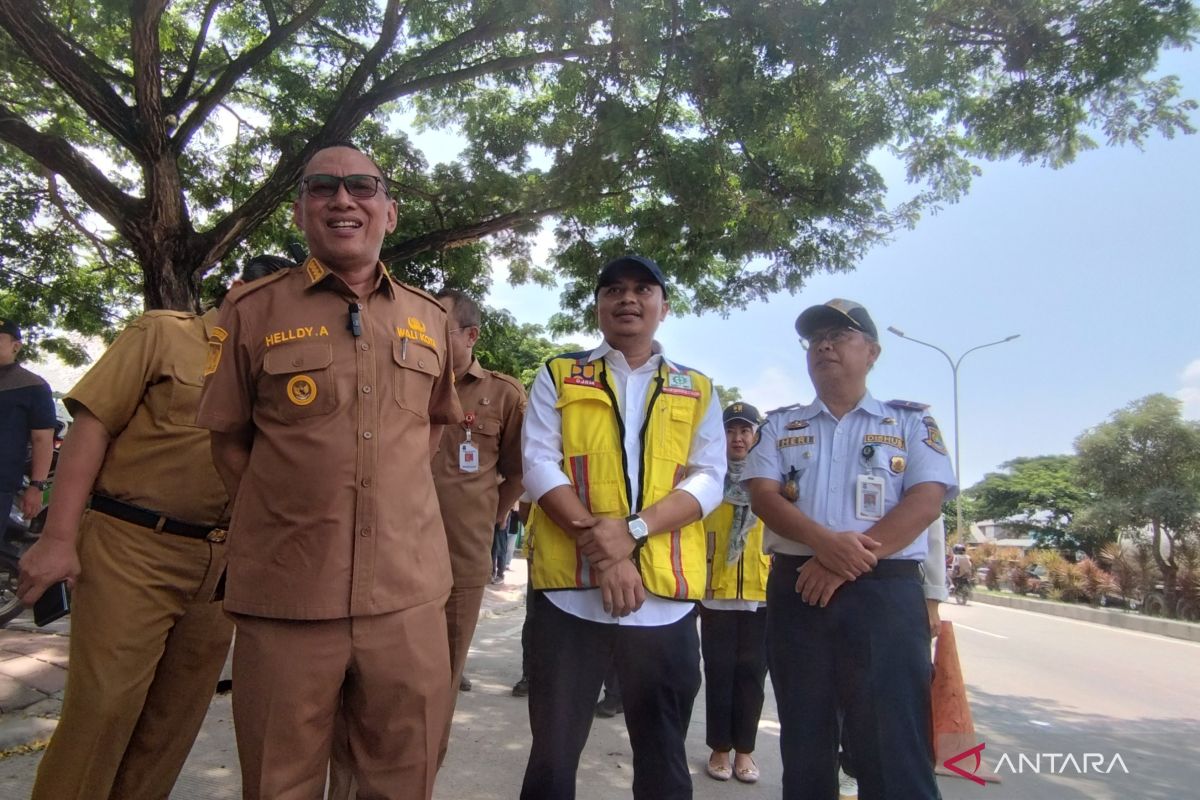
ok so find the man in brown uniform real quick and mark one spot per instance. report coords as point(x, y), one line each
point(478, 485)
point(147, 642)
point(327, 386)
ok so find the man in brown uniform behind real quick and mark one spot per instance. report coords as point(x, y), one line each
point(327, 387)
point(147, 642)
point(474, 497)
point(473, 494)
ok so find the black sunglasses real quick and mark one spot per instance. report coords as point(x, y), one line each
point(357, 185)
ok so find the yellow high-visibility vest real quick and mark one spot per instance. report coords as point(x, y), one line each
point(672, 564)
point(744, 579)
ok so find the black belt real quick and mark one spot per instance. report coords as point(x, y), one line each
point(886, 568)
point(153, 520)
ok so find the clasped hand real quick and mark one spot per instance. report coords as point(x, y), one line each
point(604, 541)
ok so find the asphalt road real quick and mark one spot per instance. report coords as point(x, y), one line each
point(1043, 685)
point(1037, 684)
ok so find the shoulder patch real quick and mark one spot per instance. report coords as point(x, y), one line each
point(911, 405)
point(237, 293)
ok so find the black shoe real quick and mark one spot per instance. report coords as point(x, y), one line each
point(521, 688)
point(609, 707)
point(464, 684)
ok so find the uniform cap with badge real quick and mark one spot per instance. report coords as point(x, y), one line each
point(613, 269)
point(741, 412)
point(834, 313)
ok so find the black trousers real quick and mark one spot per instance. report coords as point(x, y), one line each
point(867, 654)
point(659, 670)
point(734, 646)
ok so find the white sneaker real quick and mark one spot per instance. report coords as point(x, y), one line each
point(847, 786)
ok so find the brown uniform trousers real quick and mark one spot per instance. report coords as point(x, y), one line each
point(147, 647)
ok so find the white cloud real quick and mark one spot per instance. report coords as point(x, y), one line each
point(1189, 393)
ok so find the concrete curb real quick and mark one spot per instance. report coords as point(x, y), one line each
point(1101, 616)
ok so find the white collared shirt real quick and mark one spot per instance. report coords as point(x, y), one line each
point(826, 455)
point(541, 444)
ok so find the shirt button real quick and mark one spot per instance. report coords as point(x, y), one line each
point(365, 531)
point(838, 432)
point(366, 390)
point(366, 434)
point(365, 346)
point(366, 482)
point(297, 362)
point(420, 363)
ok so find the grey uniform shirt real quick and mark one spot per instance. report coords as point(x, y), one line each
point(897, 442)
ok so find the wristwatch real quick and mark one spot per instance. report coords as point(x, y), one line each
point(637, 528)
point(39, 485)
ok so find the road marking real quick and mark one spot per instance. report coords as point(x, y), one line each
point(958, 625)
point(1139, 634)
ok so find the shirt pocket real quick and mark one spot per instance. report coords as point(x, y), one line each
point(184, 403)
point(298, 381)
point(676, 416)
point(485, 434)
point(416, 371)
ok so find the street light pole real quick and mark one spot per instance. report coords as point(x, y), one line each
point(954, 373)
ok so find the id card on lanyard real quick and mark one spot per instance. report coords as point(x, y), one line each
point(468, 453)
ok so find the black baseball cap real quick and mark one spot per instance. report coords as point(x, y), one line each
point(835, 312)
point(740, 412)
point(10, 327)
point(613, 268)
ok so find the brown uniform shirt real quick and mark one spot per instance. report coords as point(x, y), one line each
point(468, 499)
point(145, 390)
point(336, 513)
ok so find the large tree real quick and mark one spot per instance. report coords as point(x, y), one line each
point(152, 140)
point(1040, 497)
point(1145, 465)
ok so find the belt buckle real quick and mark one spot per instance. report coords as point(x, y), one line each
point(217, 535)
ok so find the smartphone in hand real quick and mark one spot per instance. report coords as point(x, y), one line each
point(55, 603)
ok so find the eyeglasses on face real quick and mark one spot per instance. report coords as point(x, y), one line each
point(319, 185)
point(834, 336)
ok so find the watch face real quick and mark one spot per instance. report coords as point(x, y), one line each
point(637, 528)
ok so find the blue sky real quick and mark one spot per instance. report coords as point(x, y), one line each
point(1094, 265)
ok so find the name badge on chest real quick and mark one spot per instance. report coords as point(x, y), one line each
point(868, 498)
point(468, 453)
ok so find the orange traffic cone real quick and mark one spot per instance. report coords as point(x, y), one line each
point(958, 752)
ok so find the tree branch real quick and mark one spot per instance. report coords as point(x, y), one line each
point(44, 45)
point(56, 199)
point(145, 16)
point(236, 69)
point(462, 235)
point(179, 96)
point(55, 153)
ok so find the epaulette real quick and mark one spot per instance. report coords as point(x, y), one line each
point(238, 292)
point(911, 405)
point(783, 408)
point(509, 379)
point(418, 292)
point(166, 312)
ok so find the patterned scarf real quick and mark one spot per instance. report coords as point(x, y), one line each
point(743, 517)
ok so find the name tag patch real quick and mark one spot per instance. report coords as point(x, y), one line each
point(793, 441)
point(879, 438)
